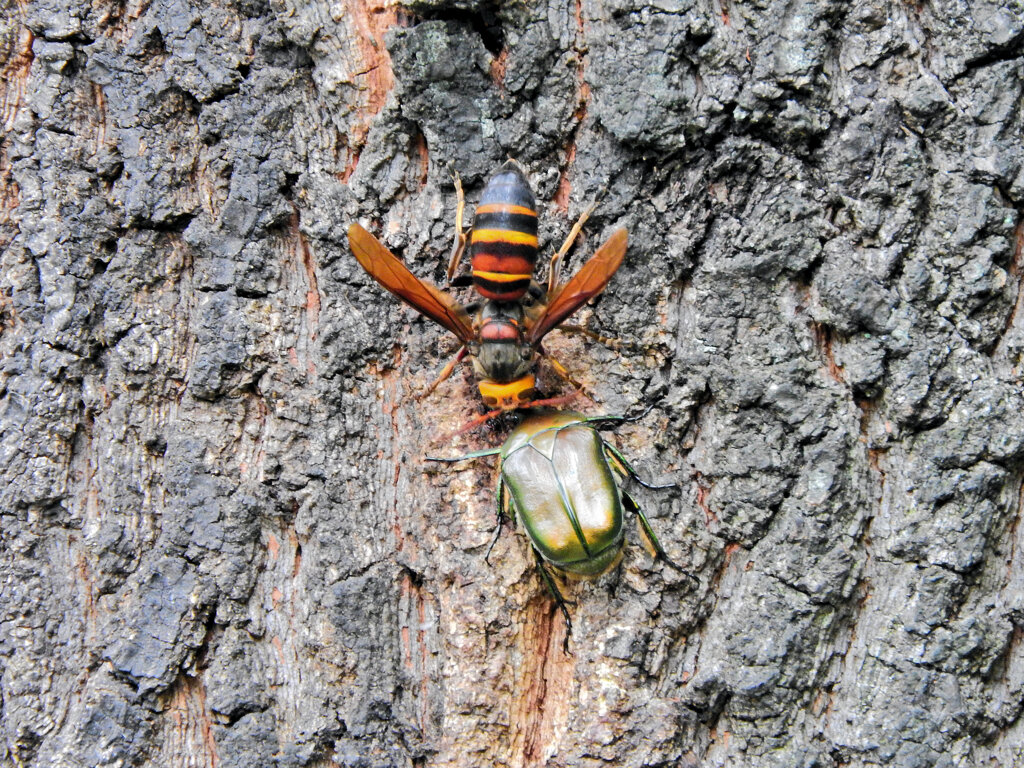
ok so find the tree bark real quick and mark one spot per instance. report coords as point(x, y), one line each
point(221, 544)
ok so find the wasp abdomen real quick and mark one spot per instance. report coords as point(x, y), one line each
point(503, 243)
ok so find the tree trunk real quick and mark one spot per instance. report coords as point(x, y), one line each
point(221, 544)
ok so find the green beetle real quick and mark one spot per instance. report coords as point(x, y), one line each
point(562, 480)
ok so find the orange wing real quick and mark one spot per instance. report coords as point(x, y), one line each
point(386, 268)
point(585, 284)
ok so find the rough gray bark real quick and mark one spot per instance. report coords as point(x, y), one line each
point(220, 545)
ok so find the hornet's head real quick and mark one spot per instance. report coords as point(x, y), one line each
point(503, 360)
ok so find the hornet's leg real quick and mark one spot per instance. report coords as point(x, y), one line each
point(556, 261)
point(547, 402)
point(608, 341)
point(562, 371)
point(447, 370)
point(471, 424)
point(459, 246)
point(551, 402)
point(564, 374)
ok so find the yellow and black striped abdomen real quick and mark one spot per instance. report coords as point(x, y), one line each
point(503, 243)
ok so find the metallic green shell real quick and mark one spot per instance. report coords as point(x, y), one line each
point(565, 493)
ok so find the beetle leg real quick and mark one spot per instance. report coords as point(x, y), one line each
point(610, 422)
point(500, 497)
point(559, 600)
point(500, 510)
point(447, 370)
point(660, 553)
point(459, 246)
point(607, 422)
point(626, 468)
